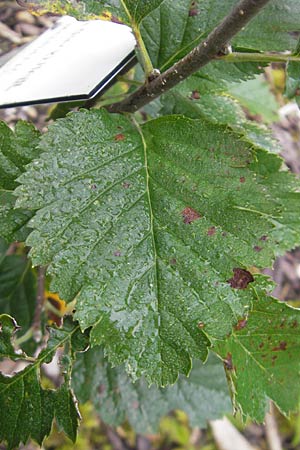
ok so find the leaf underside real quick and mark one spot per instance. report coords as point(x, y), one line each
point(203, 396)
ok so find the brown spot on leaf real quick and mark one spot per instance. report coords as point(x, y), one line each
point(228, 362)
point(117, 253)
point(101, 388)
point(119, 137)
point(93, 187)
point(115, 19)
point(193, 12)
point(195, 95)
point(295, 324)
point(201, 325)
point(242, 179)
point(263, 238)
point(241, 324)
point(211, 231)
point(256, 248)
point(126, 185)
point(281, 346)
point(135, 405)
point(189, 215)
point(173, 262)
point(261, 345)
point(241, 278)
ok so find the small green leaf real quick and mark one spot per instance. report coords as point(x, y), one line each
point(148, 238)
point(18, 289)
point(8, 327)
point(16, 150)
point(292, 88)
point(203, 396)
point(257, 97)
point(26, 409)
point(260, 358)
point(206, 95)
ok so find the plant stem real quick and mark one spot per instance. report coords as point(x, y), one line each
point(25, 337)
point(236, 57)
point(145, 58)
point(201, 55)
point(36, 324)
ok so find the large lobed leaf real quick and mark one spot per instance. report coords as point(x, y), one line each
point(27, 409)
point(203, 396)
point(16, 150)
point(146, 227)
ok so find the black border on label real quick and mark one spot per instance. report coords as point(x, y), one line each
point(126, 64)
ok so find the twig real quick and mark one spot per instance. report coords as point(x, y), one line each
point(263, 57)
point(36, 324)
point(116, 441)
point(12, 248)
point(272, 434)
point(205, 52)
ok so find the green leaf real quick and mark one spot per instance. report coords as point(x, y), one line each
point(176, 27)
point(16, 150)
point(18, 289)
point(201, 97)
point(147, 237)
point(257, 97)
point(203, 396)
point(8, 327)
point(26, 409)
point(260, 357)
point(292, 88)
point(137, 10)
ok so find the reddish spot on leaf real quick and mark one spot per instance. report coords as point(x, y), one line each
point(242, 179)
point(93, 187)
point(263, 238)
point(256, 248)
point(211, 231)
point(195, 95)
point(189, 215)
point(101, 388)
point(241, 324)
point(281, 346)
point(126, 185)
point(135, 405)
point(114, 19)
point(119, 137)
point(193, 12)
point(241, 278)
point(201, 325)
point(228, 362)
point(173, 261)
point(117, 253)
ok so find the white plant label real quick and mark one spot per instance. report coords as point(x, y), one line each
point(74, 60)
